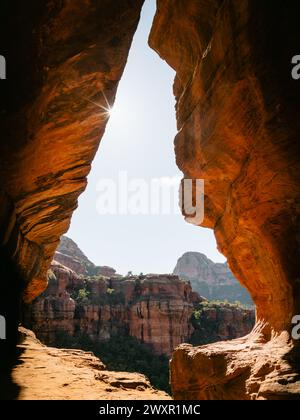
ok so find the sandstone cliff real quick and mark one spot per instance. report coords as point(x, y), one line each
point(220, 321)
point(238, 128)
point(159, 310)
point(65, 60)
point(156, 309)
point(211, 280)
point(102, 314)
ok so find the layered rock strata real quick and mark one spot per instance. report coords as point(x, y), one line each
point(156, 309)
point(238, 128)
point(64, 62)
point(220, 321)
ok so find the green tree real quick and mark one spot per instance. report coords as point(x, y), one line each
point(110, 291)
point(82, 297)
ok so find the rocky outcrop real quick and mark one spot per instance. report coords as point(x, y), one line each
point(238, 127)
point(156, 309)
point(73, 375)
point(242, 369)
point(70, 255)
point(64, 61)
point(211, 280)
point(159, 310)
point(220, 321)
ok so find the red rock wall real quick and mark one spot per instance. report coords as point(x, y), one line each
point(154, 309)
point(214, 322)
point(160, 313)
point(237, 112)
point(63, 59)
point(70, 262)
point(238, 128)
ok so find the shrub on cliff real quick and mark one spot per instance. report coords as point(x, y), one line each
point(209, 323)
point(81, 296)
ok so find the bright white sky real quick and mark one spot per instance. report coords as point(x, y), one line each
point(138, 139)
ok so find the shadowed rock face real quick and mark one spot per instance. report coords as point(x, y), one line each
point(221, 321)
point(238, 128)
point(64, 62)
point(63, 58)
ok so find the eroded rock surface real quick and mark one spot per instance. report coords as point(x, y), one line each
point(159, 310)
point(45, 373)
point(156, 309)
point(238, 128)
point(64, 62)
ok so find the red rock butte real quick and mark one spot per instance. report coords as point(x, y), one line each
point(238, 129)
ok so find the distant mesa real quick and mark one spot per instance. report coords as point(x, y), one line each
point(213, 281)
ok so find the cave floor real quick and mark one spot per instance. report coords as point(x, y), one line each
point(46, 373)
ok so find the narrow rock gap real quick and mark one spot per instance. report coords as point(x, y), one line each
point(48, 127)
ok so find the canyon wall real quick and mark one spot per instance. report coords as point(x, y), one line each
point(161, 311)
point(220, 321)
point(238, 128)
point(213, 281)
point(156, 309)
point(64, 61)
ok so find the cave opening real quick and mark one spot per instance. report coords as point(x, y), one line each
point(136, 150)
point(138, 142)
point(236, 129)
